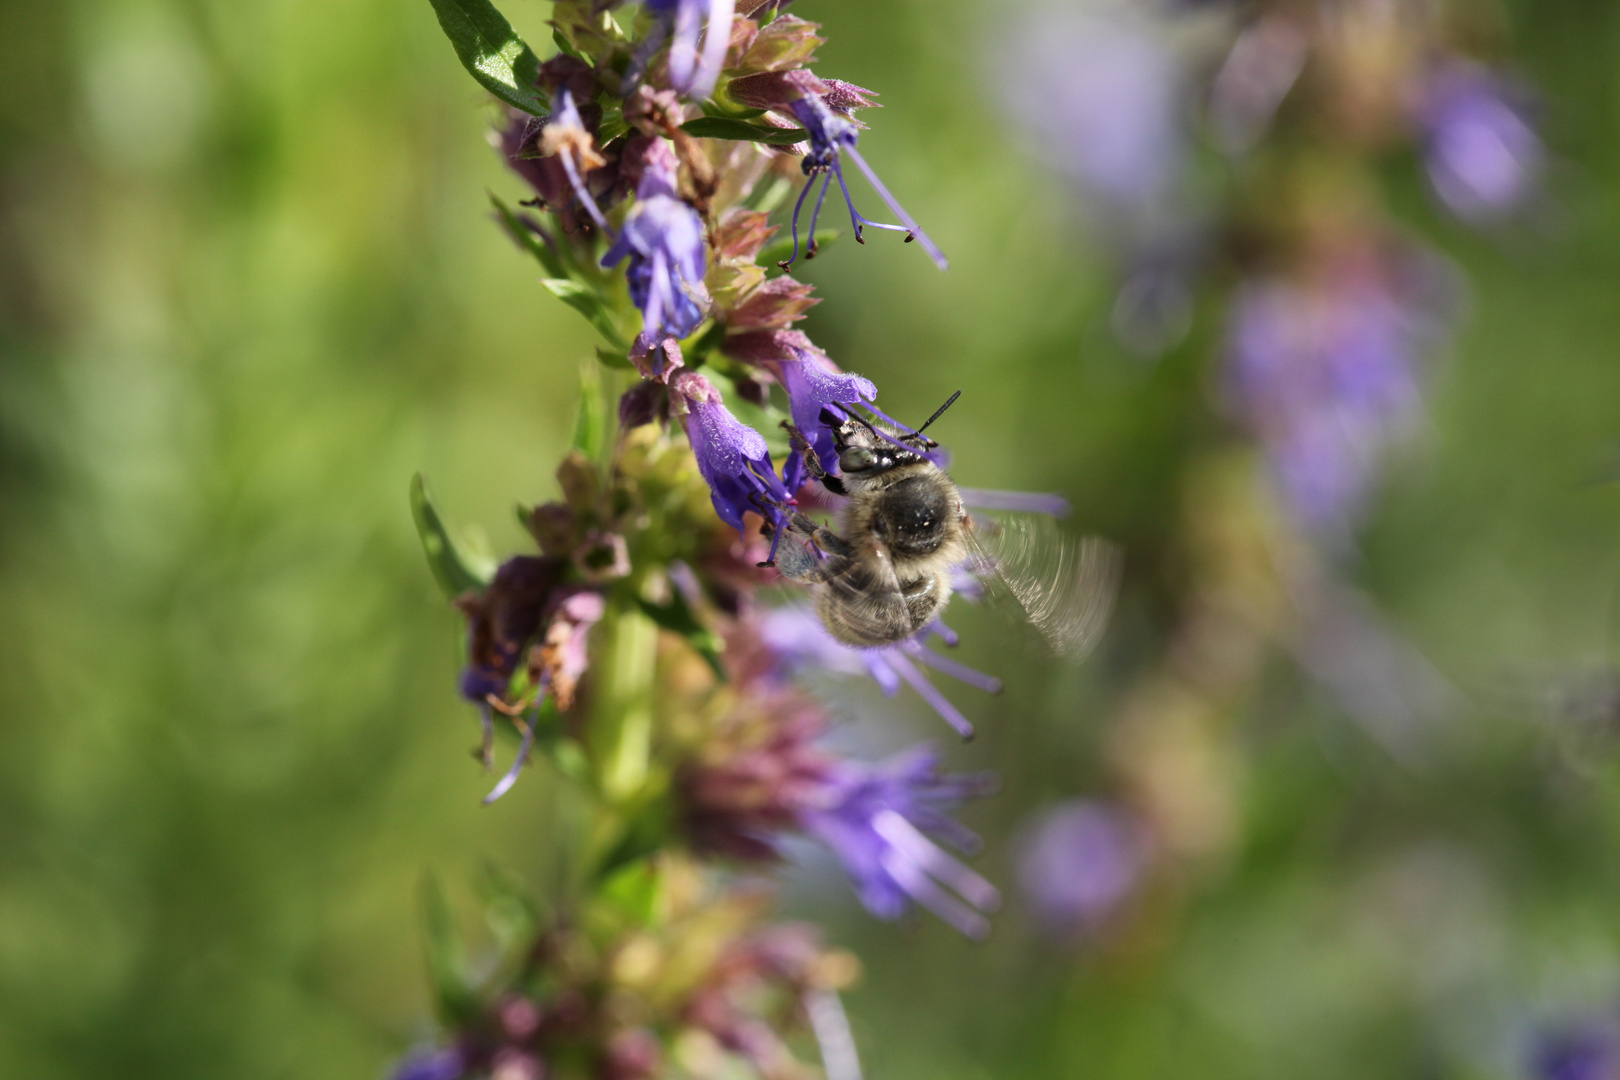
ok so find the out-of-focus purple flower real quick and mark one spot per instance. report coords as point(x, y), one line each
point(833, 136)
point(692, 73)
point(447, 1064)
point(663, 238)
point(565, 138)
point(1262, 67)
point(1081, 861)
point(556, 664)
point(1591, 1052)
point(1103, 99)
point(731, 455)
point(1483, 157)
point(502, 619)
point(801, 642)
point(875, 819)
point(1326, 378)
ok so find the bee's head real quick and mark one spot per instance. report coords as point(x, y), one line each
point(864, 453)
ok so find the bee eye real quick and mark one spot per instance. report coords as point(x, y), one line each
point(855, 459)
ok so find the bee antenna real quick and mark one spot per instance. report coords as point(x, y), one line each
point(939, 412)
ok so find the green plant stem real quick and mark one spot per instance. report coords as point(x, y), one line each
point(620, 736)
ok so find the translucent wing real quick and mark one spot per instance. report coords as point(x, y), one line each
point(1065, 586)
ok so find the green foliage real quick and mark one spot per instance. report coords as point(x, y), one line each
point(456, 569)
point(492, 52)
point(525, 238)
point(448, 969)
point(676, 616)
point(590, 414)
point(587, 300)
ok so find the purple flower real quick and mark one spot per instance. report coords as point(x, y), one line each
point(1103, 99)
point(1326, 379)
point(1586, 1053)
point(690, 73)
point(1483, 157)
point(731, 455)
point(663, 238)
point(1081, 861)
point(875, 819)
point(502, 619)
point(800, 641)
point(448, 1064)
point(565, 137)
point(812, 383)
point(833, 136)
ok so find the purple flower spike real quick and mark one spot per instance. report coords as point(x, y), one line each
point(875, 817)
point(1327, 379)
point(691, 73)
point(731, 455)
point(832, 136)
point(663, 238)
point(1082, 860)
point(1483, 157)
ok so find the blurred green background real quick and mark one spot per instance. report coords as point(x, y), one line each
point(248, 287)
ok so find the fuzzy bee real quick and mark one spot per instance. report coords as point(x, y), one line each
point(904, 535)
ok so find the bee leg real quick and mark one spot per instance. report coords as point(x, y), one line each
point(821, 536)
point(812, 460)
point(822, 558)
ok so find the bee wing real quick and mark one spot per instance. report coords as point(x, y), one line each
point(1065, 586)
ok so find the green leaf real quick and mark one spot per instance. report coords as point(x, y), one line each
point(456, 569)
point(697, 348)
point(720, 127)
point(676, 616)
point(509, 908)
point(524, 237)
point(590, 419)
point(729, 111)
point(777, 250)
point(615, 360)
point(446, 956)
point(492, 52)
point(633, 886)
point(586, 301)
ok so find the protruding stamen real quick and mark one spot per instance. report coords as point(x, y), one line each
point(716, 40)
point(930, 694)
point(899, 211)
point(522, 759)
point(831, 1026)
point(960, 672)
point(583, 194)
point(815, 216)
point(808, 184)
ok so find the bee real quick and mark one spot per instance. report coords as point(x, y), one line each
point(905, 536)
